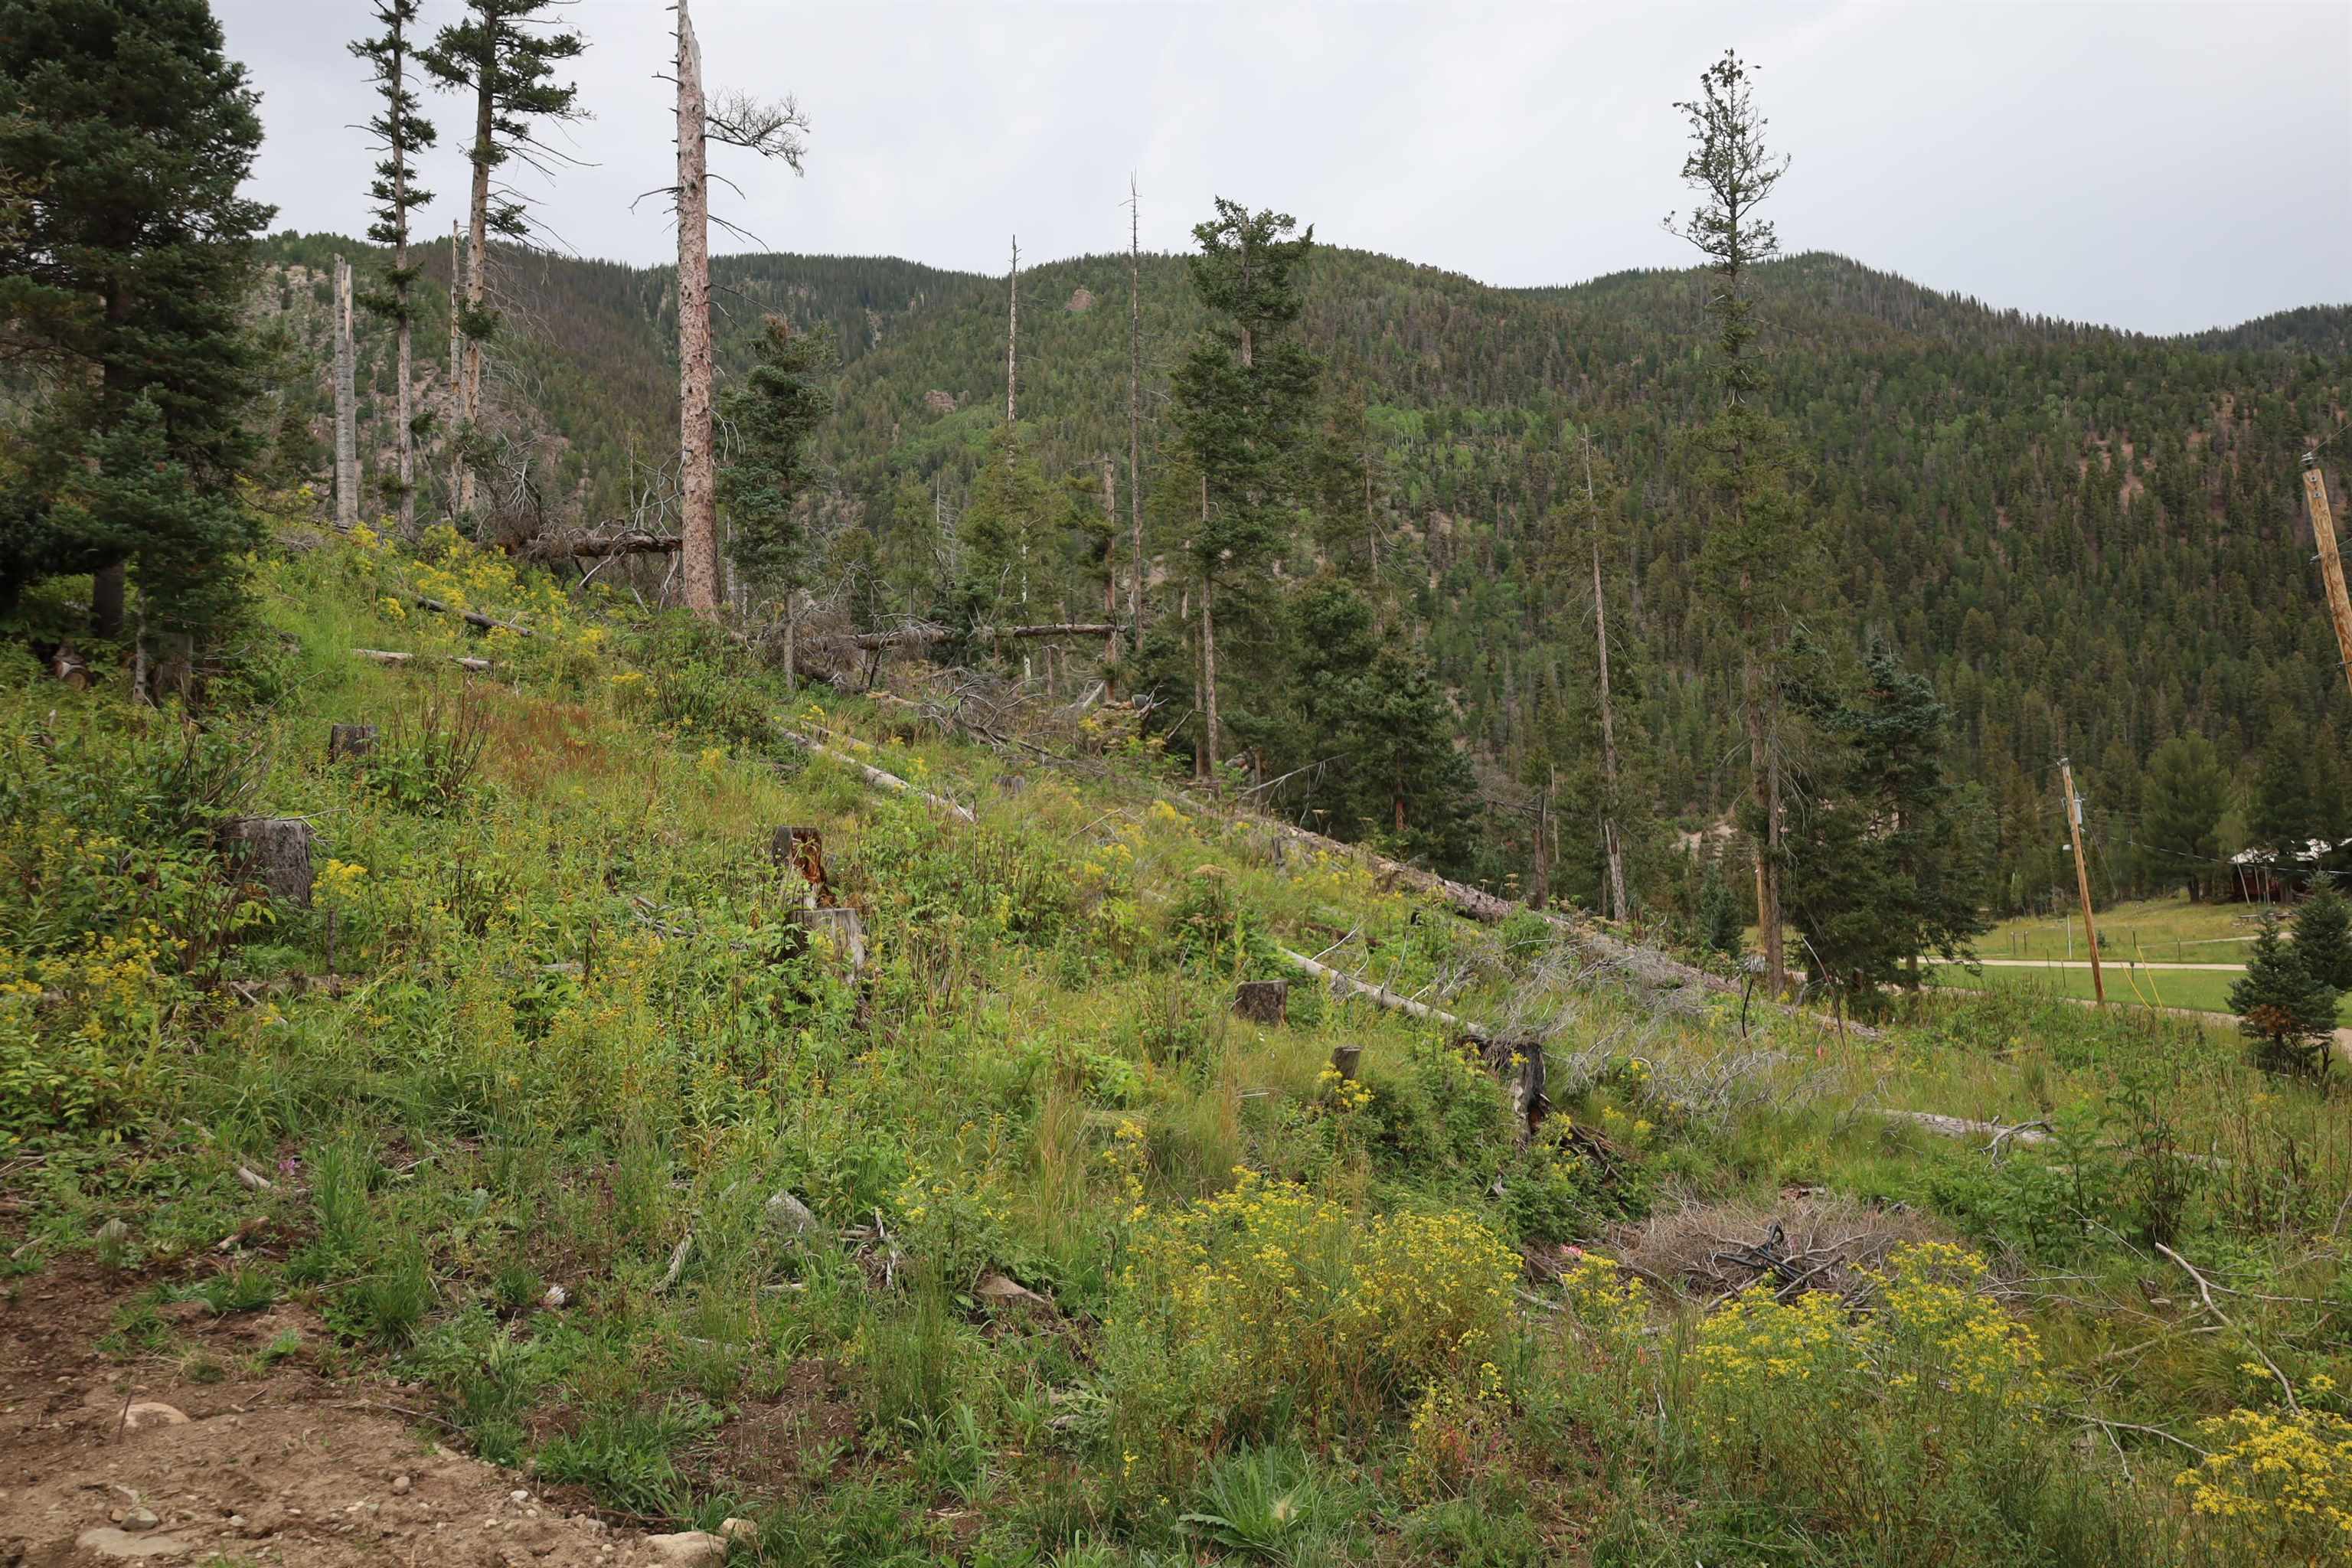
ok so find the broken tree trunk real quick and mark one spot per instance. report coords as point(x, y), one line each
point(273, 851)
point(837, 931)
point(877, 778)
point(799, 851)
point(350, 741)
point(590, 546)
point(1263, 1001)
point(698, 503)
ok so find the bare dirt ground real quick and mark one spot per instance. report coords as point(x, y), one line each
point(214, 1459)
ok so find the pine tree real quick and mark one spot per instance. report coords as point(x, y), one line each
point(505, 54)
point(1761, 548)
point(772, 412)
point(2323, 937)
point(402, 133)
point(123, 276)
point(2182, 796)
point(2287, 1012)
point(1243, 396)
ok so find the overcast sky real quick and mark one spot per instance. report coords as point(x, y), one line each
point(2163, 167)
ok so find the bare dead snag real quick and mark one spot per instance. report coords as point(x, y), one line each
point(273, 851)
point(1263, 1001)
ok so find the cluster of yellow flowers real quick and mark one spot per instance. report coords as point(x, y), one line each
point(339, 882)
point(1127, 1156)
point(1340, 1092)
point(1935, 1333)
point(2282, 1474)
point(1455, 1427)
point(1275, 1290)
point(1606, 1302)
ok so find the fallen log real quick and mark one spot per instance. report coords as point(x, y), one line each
point(386, 656)
point(472, 617)
point(588, 546)
point(2030, 1134)
point(928, 635)
point(876, 776)
point(1343, 984)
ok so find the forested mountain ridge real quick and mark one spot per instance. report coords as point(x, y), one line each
point(2090, 540)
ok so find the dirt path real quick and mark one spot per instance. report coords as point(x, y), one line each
point(2110, 963)
point(218, 1452)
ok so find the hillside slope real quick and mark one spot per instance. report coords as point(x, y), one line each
point(1021, 1245)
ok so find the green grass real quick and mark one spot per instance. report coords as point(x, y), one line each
point(2195, 990)
point(2169, 929)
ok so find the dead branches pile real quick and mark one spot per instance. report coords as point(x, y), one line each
point(1809, 1241)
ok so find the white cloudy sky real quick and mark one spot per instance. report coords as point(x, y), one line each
point(2158, 166)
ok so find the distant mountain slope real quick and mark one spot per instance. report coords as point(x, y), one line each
point(2092, 539)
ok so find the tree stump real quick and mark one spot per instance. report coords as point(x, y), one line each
point(842, 929)
point(1263, 1001)
point(174, 671)
point(274, 851)
point(1520, 1065)
point(347, 741)
point(801, 851)
point(1345, 1060)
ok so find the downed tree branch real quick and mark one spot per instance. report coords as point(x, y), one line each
point(386, 656)
point(472, 617)
point(877, 778)
point(2205, 1294)
point(1344, 985)
point(591, 546)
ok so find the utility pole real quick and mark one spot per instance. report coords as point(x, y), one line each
point(2331, 564)
point(2083, 876)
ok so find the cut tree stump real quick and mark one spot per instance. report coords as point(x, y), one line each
point(1263, 1001)
point(346, 741)
point(799, 851)
point(1344, 1060)
point(842, 929)
point(1520, 1065)
point(274, 851)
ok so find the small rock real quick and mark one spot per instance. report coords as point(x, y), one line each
point(739, 1530)
point(556, 1298)
point(997, 1287)
point(149, 1413)
point(138, 1515)
point(689, 1548)
point(518, 1495)
point(400, 1485)
point(789, 1214)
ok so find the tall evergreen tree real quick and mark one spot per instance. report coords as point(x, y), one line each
point(401, 133)
point(2323, 937)
point(506, 53)
point(123, 278)
point(2182, 796)
point(1760, 553)
point(1242, 396)
point(772, 412)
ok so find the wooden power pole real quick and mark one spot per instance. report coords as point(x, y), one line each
point(2083, 876)
point(2331, 564)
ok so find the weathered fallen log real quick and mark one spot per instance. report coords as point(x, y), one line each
point(386, 656)
point(2030, 1133)
point(876, 776)
point(472, 617)
point(590, 546)
point(929, 635)
point(1477, 904)
point(1344, 985)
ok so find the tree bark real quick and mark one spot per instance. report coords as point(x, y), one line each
point(453, 394)
point(1208, 680)
point(347, 455)
point(1764, 774)
point(1110, 558)
point(697, 477)
point(1135, 412)
point(274, 851)
point(477, 255)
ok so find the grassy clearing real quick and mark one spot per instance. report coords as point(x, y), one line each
point(2198, 991)
point(2156, 930)
point(547, 1024)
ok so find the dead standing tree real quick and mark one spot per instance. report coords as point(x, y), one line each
point(771, 130)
